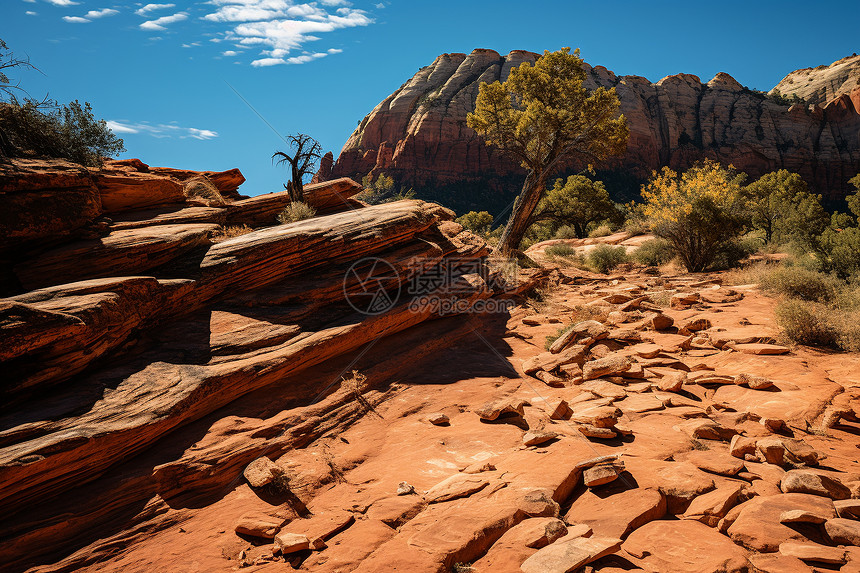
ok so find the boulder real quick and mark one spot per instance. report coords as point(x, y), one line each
point(585, 329)
point(602, 473)
point(842, 531)
point(805, 481)
point(567, 555)
point(616, 511)
point(495, 409)
point(709, 508)
point(609, 366)
point(458, 485)
point(439, 419)
point(261, 472)
point(538, 437)
point(291, 543)
point(813, 552)
point(685, 546)
point(757, 525)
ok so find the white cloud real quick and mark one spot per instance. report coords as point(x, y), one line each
point(90, 16)
point(202, 133)
point(277, 58)
point(151, 8)
point(229, 53)
point(101, 13)
point(31, 13)
point(160, 23)
point(279, 27)
point(191, 45)
point(380, 6)
point(62, 2)
point(161, 130)
point(118, 127)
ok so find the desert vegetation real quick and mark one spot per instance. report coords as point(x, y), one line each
point(542, 115)
point(46, 128)
point(382, 190)
point(296, 211)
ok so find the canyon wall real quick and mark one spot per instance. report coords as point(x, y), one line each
point(419, 134)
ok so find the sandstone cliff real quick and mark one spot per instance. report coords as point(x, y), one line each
point(419, 133)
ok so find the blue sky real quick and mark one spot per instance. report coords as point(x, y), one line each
point(161, 72)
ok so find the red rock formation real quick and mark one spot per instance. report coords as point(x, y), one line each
point(419, 134)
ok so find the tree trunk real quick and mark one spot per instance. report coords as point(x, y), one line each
point(297, 194)
point(521, 215)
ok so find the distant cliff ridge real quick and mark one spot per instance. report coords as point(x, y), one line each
point(419, 134)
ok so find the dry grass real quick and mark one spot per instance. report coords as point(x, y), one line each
point(225, 233)
point(815, 309)
point(296, 211)
point(201, 189)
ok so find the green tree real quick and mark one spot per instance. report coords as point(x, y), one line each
point(577, 202)
point(700, 212)
point(781, 206)
point(839, 244)
point(543, 116)
point(45, 128)
point(476, 221)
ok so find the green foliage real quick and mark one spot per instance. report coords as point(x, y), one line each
point(296, 211)
point(382, 190)
point(558, 333)
point(541, 115)
point(842, 251)
point(476, 221)
point(654, 252)
point(576, 202)
point(838, 247)
point(32, 128)
point(604, 258)
point(800, 283)
point(781, 206)
point(805, 322)
point(47, 129)
point(701, 212)
point(560, 250)
point(565, 232)
point(776, 96)
point(816, 309)
point(601, 230)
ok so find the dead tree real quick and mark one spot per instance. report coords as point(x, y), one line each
point(306, 152)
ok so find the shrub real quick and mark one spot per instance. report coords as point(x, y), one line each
point(229, 232)
point(699, 212)
point(730, 253)
point(382, 190)
point(800, 283)
point(577, 202)
point(296, 211)
point(604, 258)
point(201, 188)
point(565, 232)
point(476, 221)
point(806, 322)
point(654, 252)
point(47, 129)
point(560, 250)
point(600, 231)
